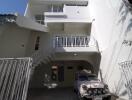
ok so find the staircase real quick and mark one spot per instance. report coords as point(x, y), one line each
point(14, 78)
point(40, 57)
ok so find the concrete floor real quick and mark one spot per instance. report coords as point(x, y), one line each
point(52, 94)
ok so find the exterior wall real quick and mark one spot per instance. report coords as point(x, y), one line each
point(3, 28)
point(31, 42)
point(16, 41)
point(30, 24)
point(69, 14)
point(70, 28)
point(13, 41)
point(46, 45)
point(77, 12)
point(111, 27)
point(82, 27)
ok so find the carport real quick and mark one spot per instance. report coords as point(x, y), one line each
point(55, 79)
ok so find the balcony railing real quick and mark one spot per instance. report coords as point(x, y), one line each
point(55, 11)
point(73, 41)
point(55, 8)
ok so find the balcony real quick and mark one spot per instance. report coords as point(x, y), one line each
point(67, 13)
point(75, 44)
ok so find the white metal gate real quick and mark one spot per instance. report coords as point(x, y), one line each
point(14, 78)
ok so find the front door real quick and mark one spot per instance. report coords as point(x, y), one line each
point(69, 76)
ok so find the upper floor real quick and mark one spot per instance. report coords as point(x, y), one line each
point(64, 25)
point(58, 11)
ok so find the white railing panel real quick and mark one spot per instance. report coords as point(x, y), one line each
point(73, 41)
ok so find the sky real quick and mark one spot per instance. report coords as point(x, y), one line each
point(12, 6)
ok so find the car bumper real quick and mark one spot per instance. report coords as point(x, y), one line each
point(99, 97)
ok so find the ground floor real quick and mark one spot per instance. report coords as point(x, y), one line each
point(54, 94)
point(60, 73)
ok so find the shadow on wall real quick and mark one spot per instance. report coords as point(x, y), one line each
point(126, 23)
point(118, 88)
point(124, 11)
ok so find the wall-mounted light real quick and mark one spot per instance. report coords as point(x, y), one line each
point(75, 54)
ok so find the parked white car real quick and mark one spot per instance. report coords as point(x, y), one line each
point(89, 87)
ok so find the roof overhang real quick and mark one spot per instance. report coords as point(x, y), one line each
point(22, 21)
point(28, 23)
point(77, 2)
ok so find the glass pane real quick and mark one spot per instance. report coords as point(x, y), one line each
point(38, 17)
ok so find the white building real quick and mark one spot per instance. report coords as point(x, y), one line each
point(68, 43)
point(65, 35)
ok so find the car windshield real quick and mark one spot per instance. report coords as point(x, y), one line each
point(83, 78)
point(92, 78)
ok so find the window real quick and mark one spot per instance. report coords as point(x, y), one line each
point(83, 78)
point(40, 19)
point(37, 43)
point(55, 8)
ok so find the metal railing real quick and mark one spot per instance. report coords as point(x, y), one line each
point(73, 41)
point(55, 8)
point(14, 78)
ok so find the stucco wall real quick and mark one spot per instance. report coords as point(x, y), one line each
point(46, 45)
point(112, 25)
point(13, 41)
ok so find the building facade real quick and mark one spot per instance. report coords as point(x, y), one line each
point(68, 44)
point(64, 36)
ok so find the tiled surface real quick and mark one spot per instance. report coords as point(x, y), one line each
point(52, 94)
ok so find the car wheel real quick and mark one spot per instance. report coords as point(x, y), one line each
point(79, 96)
point(107, 98)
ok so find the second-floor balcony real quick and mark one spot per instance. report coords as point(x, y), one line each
point(67, 13)
point(75, 44)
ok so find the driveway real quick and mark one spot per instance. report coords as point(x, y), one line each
point(52, 94)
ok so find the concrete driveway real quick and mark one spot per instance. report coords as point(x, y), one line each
point(52, 94)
